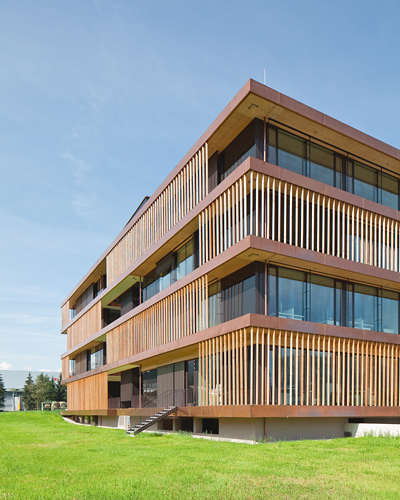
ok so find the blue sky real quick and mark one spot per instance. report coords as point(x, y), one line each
point(100, 100)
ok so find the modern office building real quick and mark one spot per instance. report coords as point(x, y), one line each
point(257, 289)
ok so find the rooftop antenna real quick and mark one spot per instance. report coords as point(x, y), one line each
point(265, 76)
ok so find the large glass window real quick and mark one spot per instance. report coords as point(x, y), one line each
point(322, 163)
point(390, 312)
point(185, 260)
point(322, 300)
point(304, 296)
point(96, 357)
point(292, 294)
point(179, 264)
point(390, 191)
point(238, 294)
point(149, 386)
point(365, 182)
point(365, 307)
point(291, 152)
point(330, 167)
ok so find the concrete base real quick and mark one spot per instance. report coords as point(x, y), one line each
point(249, 429)
point(118, 422)
point(293, 429)
point(360, 430)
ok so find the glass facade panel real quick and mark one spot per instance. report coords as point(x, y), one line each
point(322, 162)
point(271, 291)
point(214, 304)
point(234, 166)
point(185, 260)
point(165, 279)
point(149, 386)
point(365, 182)
point(272, 149)
point(291, 300)
point(390, 191)
point(322, 299)
point(236, 295)
point(304, 296)
point(390, 316)
point(291, 153)
point(365, 307)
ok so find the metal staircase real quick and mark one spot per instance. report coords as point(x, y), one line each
point(152, 420)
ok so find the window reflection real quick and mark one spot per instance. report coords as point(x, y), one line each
point(365, 307)
point(390, 320)
point(330, 167)
point(236, 295)
point(292, 289)
point(322, 299)
point(304, 296)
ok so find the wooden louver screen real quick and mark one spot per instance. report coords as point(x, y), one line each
point(90, 393)
point(260, 205)
point(270, 367)
point(65, 314)
point(181, 195)
point(84, 326)
point(182, 313)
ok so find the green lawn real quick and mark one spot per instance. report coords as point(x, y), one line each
point(41, 456)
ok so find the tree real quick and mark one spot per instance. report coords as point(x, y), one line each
point(42, 383)
point(51, 394)
point(2, 394)
point(61, 390)
point(29, 396)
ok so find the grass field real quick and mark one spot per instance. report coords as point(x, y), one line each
point(41, 456)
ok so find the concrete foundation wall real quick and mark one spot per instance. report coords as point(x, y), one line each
point(360, 430)
point(242, 428)
point(292, 429)
point(108, 421)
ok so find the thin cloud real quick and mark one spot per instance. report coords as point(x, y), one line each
point(83, 202)
point(6, 366)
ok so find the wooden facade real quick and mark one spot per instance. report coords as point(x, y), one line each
point(263, 206)
point(181, 314)
point(241, 218)
point(89, 393)
point(85, 326)
point(179, 197)
point(257, 366)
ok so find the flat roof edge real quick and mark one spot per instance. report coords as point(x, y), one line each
point(256, 88)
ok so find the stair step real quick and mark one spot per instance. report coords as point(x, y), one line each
point(151, 420)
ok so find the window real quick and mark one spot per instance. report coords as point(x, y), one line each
point(322, 300)
point(304, 296)
point(250, 142)
point(149, 386)
point(173, 267)
point(236, 295)
point(305, 157)
point(96, 356)
point(292, 294)
point(365, 182)
point(322, 164)
point(291, 152)
point(365, 308)
point(185, 260)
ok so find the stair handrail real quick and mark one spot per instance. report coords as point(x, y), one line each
point(154, 402)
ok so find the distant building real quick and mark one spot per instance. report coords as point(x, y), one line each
point(14, 381)
point(256, 291)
